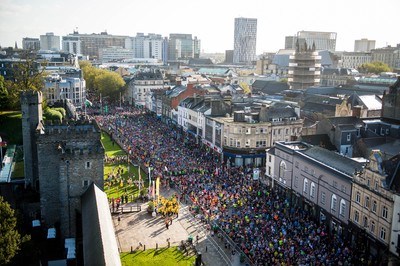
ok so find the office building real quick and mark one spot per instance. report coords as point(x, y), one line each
point(181, 46)
point(91, 43)
point(71, 44)
point(322, 40)
point(389, 55)
point(50, 42)
point(355, 59)
point(245, 40)
point(30, 43)
point(364, 45)
point(113, 54)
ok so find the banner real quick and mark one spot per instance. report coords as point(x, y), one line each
point(158, 187)
point(256, 174)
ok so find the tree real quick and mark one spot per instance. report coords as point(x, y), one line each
point(10, 239)
point(53, 114)
point(375, 67)
point(110, 84)
point(102, 81)
point(3, 95)
point(26, 76)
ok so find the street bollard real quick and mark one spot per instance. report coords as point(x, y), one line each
point(156, 246)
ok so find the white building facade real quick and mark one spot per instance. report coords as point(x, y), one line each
point(245, 40)
point(355, 59)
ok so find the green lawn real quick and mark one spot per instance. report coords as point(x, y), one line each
point(110, 148)
point(11, 127)
point(113, 187)
point(165, 256)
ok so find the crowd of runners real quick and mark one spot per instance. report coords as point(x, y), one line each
point(261, 222)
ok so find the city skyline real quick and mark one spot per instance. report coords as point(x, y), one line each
point(211, 21)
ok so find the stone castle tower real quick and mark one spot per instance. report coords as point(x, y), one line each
point(61, 161)
point(31, 107)
point(70, 158)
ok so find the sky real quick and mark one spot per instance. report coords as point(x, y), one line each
point(212, 21)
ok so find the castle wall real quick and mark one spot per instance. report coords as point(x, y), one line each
point(70, 158)
point(31, 107)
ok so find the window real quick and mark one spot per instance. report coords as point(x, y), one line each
point(312, 190)
point(85, 183)
point(358, 197)
point(248, 130)
point(88, 165)
point(348, 136)
point(374, 204)
point(333, 203)
point(385, 212)
point(372, 229)
point(296, 181)
point(365, 221)
point(376, 185)
point(342, 207)
point(323, 198)
point(269, 158)
point(247, 142)
point(305, 186)
point(282, 169)
point(368, 182)
point(366, 203)
point(383, 233)
point(356, 216)
point(238, 144)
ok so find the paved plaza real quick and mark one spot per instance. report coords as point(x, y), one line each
point(139, 230)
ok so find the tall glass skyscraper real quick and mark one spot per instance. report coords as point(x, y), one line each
point(245, 39)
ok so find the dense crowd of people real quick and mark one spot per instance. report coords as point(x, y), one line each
point(259, 220)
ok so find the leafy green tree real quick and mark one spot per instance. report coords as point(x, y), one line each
point(10, 239)
point(27, 76)
point(3, 95)
point(61, 110)
point(52, 114)
point(102, 81)
point(375, 67)
point(110, 84)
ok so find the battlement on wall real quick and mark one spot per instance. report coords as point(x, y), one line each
point(81, 129)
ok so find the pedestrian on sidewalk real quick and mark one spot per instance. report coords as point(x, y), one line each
point(166, 223)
